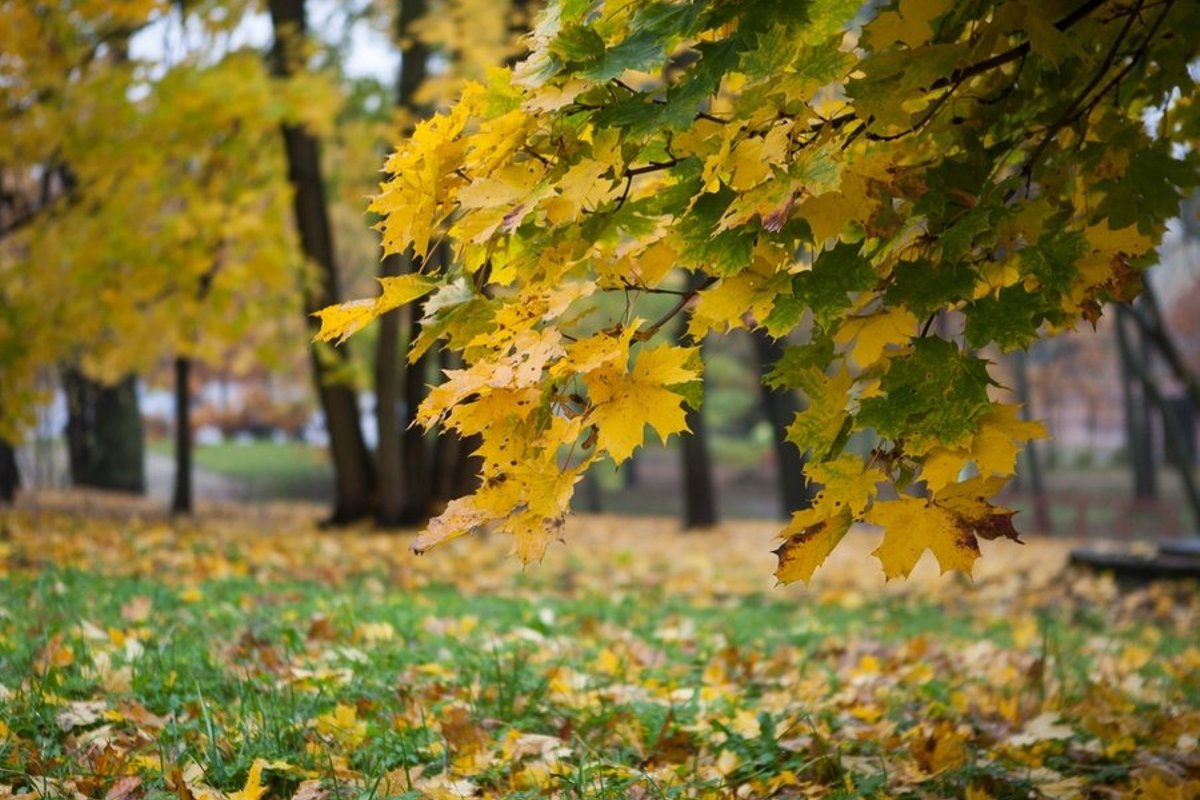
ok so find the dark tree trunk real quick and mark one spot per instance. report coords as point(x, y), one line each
point(105, 437)
point(455, 470)
point(1174, 433)
point(780, 407)
point(10, 476)
point(1137, 431)
point(354, 475)
point(699, 489)
point(416, 450)
point(395, 503)
point(181, 501)
point(1031, 457)
point(390, 512)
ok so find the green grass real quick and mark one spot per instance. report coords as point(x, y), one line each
point(245, 650)
point(266, 469)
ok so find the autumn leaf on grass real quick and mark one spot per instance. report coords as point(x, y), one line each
point(625, 403)
point(342, 321)
point(343, 725)
point(254, 789)
point(911, 526)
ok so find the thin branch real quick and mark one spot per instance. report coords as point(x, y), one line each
point(683, 303)
point(1008, 56)
point(1069, 114)
point(655, 166)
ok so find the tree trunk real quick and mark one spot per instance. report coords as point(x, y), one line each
point(455, 469)
point(781, 407)
point(181, 502)
point(390, 512)
point(1137, 433)
point(1152, 394)
point(394, 501)
point(354, 475)
point(1031, 456)
point(105, 437)
point(699, 489)
point(416, 451)
point(10, 476)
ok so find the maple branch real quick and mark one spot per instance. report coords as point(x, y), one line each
point(1073, 110)
point(636, 287)
point(1008, 56)
point(684, 300)
point(654, 166)
point(1134, 59)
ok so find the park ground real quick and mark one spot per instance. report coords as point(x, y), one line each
point(250, 656)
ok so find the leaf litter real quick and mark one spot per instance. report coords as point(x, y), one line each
point(252, 657)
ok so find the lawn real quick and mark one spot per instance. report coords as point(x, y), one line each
point(252, 657)
point(264, 469)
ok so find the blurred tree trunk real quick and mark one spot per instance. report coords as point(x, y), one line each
point(396, 498)
point(1149, 317)
point(455, 470)
point(1174, 433)
point(354, 474)
point(416, 451)
point(181, 500)
point(1138, 433)
point(780, 407)
point(10, 475)
point(1031, 456)
point(699, 489)
point(106, 446)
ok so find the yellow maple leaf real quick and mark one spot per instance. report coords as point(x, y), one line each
point(942, 467)
point(581, 188)
point(625, 403)
point(343, 320)
point(999, 439)
point(806, 548)
point(875, 332)
point(461, 516)
point(911, 526)
point(724, 306)
point(590, 353)
point(1128, 240)
point(655, 262)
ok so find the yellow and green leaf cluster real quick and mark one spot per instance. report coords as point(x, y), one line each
point(892, 191)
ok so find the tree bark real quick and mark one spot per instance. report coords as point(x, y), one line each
point(455, 468)
point(181, 501)
point(395, 503)
point(1137, 431)
point(105, 437)
point(699, 489)
point(10, 475)
point(780, 407)
point(1031, 456)
point(1152, 393)
point(354, 474)
point(416, 451)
